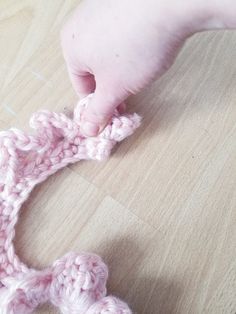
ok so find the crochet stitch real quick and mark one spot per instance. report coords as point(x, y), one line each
point(76, 284)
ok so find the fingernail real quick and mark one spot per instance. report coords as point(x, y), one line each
point(90, 129)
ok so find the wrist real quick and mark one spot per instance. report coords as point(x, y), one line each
point(201, 15)
point(226, 13)
point(216, 14)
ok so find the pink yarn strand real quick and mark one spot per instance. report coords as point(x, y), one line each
point(76, 284)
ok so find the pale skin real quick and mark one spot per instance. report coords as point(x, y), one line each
point(115, 48)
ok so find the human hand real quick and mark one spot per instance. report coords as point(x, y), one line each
point(115, 48)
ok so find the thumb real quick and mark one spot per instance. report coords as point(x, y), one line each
point(99, 111)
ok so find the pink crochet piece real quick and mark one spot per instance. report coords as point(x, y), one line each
point(76, 284)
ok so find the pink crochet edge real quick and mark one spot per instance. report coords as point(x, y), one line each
point(76, 284)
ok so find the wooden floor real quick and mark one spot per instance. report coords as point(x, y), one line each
point(162, 210)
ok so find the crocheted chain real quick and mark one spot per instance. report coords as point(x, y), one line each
point(75, 283)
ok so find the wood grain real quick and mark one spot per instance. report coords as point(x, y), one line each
point(161, 211)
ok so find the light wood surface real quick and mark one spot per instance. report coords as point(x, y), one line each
point(162, 210)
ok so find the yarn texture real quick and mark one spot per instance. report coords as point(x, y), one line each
point(76, 284)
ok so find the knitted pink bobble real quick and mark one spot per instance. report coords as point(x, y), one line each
point(78, 282)
point(23, 295)
point(73, 284)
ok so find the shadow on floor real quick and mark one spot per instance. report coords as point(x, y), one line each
point(146, 294)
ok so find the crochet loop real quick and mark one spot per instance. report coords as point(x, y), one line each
point(75, 284)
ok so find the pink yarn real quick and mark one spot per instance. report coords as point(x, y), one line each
point(76, 284)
